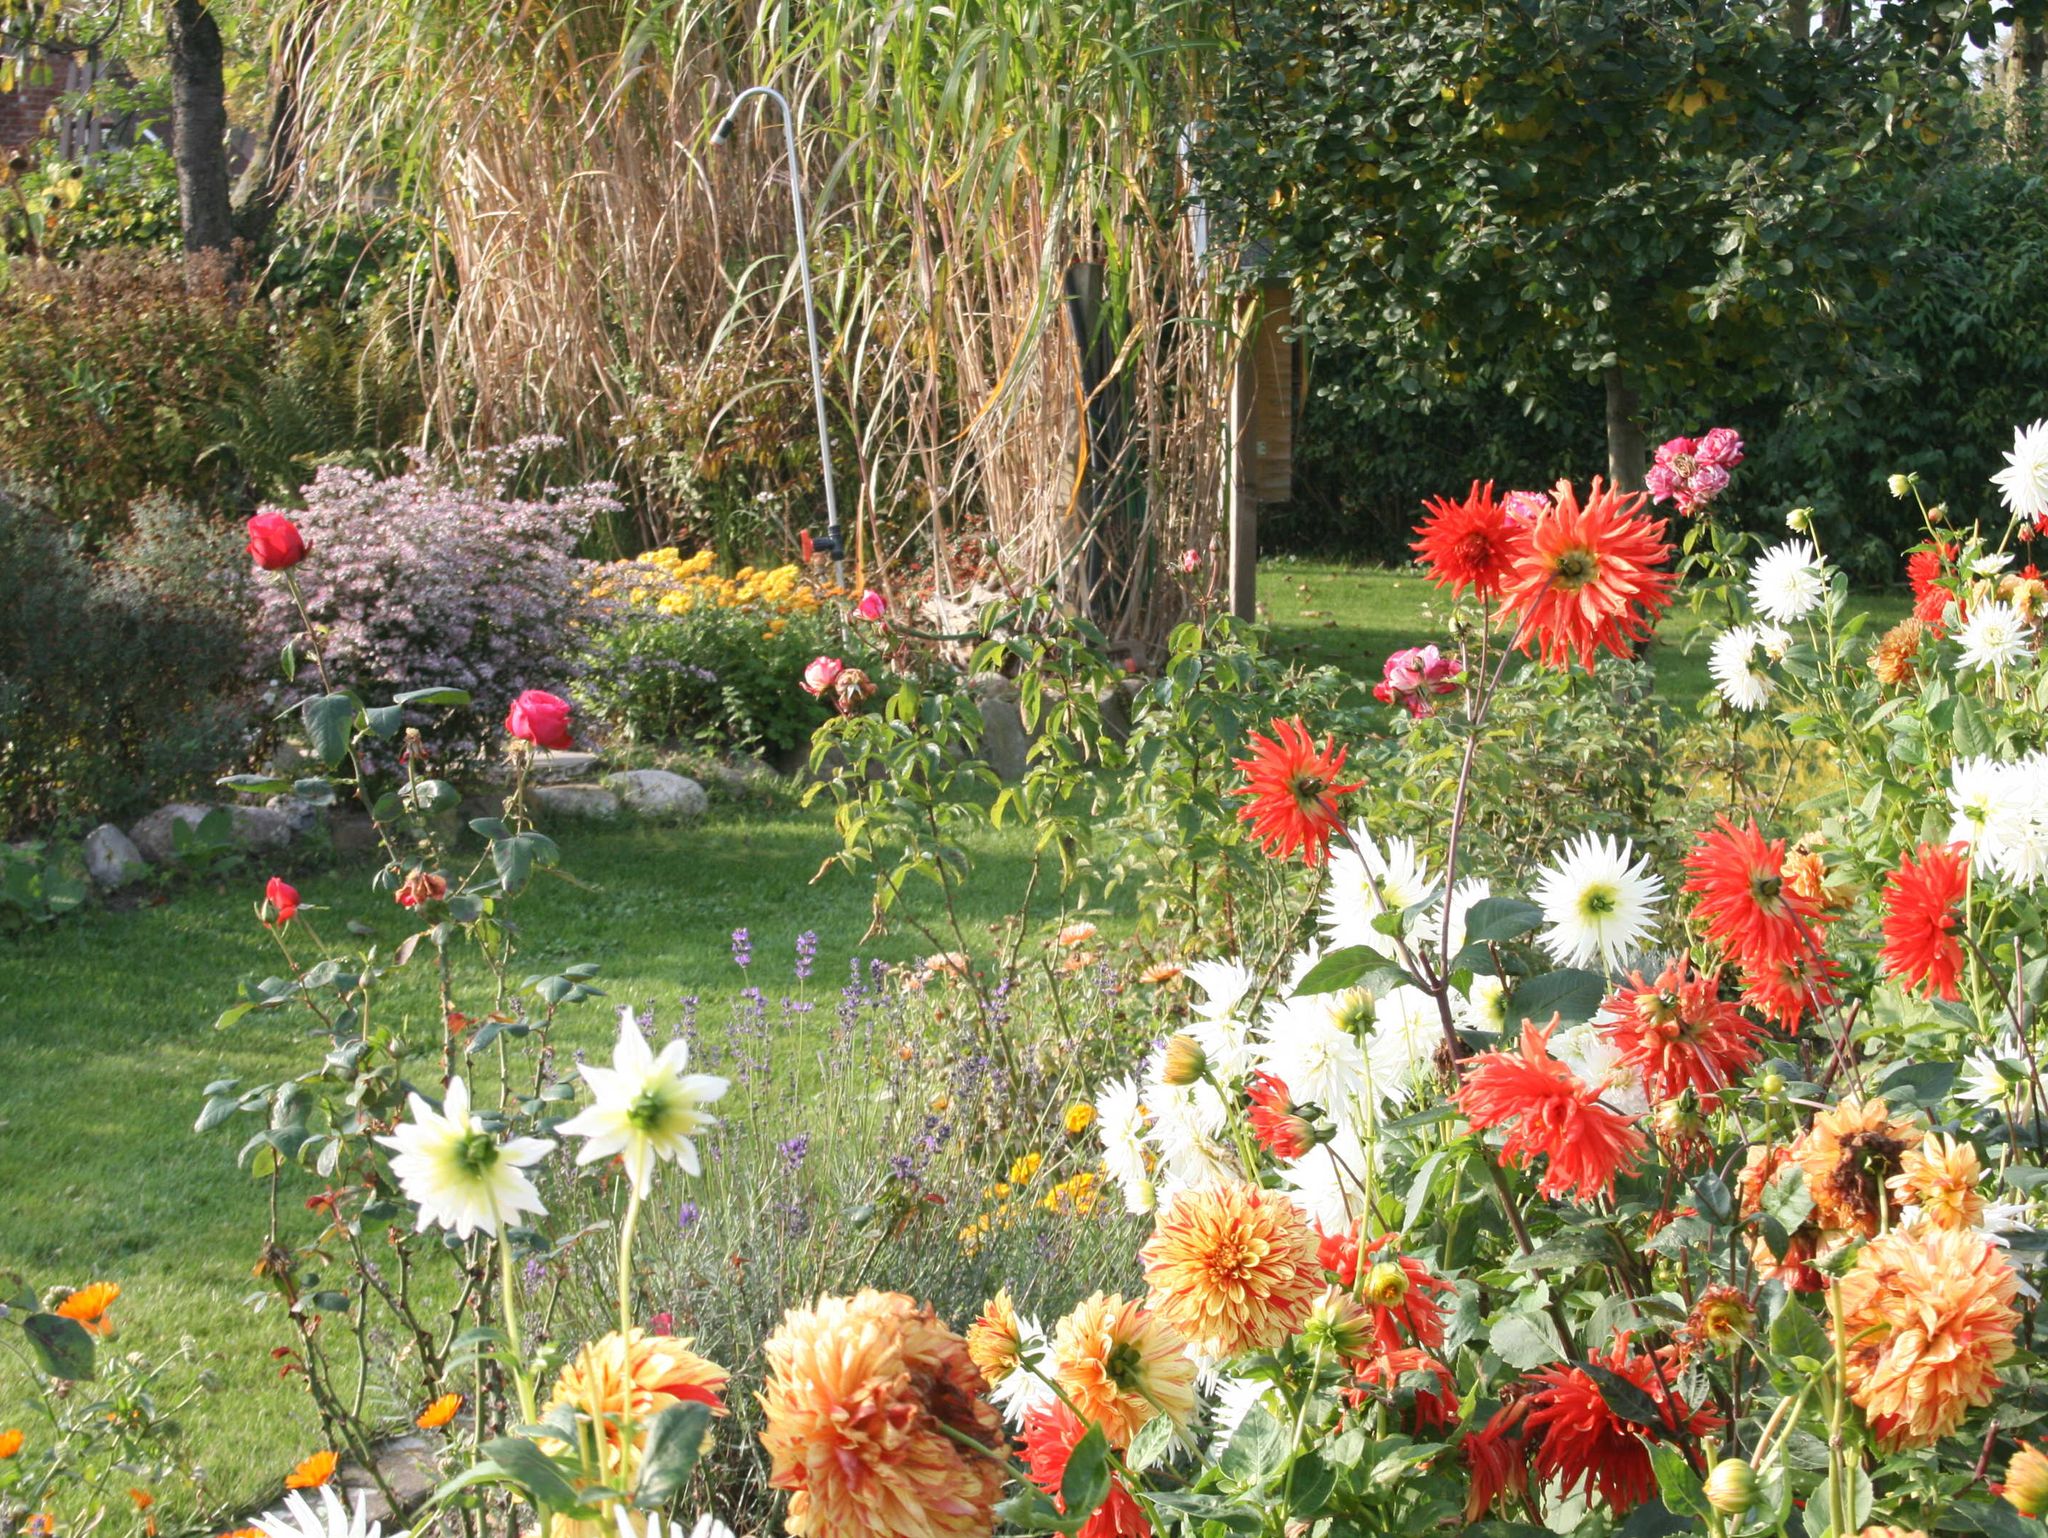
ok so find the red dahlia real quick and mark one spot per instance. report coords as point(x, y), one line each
point(1051, 1433)
point(1582, 1444)
point(1747, 900)
point(1588, 578)
point(1279, 1129)
point(1401, 1293)
point(1497, 1460)
point(1678, 1032)
point(1786, 992)
point(1924, 571)
point(1291, 792)
point(1547, 1109)
point(1469, 543)
point(1922, 906)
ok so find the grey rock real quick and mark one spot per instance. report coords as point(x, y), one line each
point(1003, 740)
point(658, 793)
point(111, 858)
point(258, 829)
point(574, 802)
point(354, 834)
point(551, 768)
point(300, 815)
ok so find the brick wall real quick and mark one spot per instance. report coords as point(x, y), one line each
point(22, 112)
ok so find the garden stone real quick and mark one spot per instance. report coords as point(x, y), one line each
point(551, 767)
point(354, 834)
point(658, 793)
point(301, 815)
point(579, 802)
point(257, 829)
point(1003, 740)
point(111, 858)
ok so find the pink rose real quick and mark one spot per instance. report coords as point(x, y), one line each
point(822, 674)
point(1414, 673)
point(1721, 446)
point(1191, 561)
point(872, 605)
point(541, 718)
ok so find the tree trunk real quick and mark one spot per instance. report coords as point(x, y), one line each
point(1834, 18)
point(1626, 460)
point(199, 127)
point(266, 184)
point(1799, 19)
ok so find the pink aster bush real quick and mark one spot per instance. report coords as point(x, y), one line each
point(440, 576)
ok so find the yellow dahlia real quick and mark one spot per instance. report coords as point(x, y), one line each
point(1941, 1177)
point(1232, 1268)
point(644, 1373)
point(995, 1341)
point(2026, 1481)
point(1928, 1317)
point(861, 1395)
point(1121, 1366)
point(1848, 1155)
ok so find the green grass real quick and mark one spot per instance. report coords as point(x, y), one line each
point(1353, 617)
point(109, 1037)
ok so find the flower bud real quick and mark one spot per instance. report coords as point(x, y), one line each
point(1771, 1085)
point(1185, 1062)
point(1900, 484)
point(1386, 1284)
point(1338, 1325)
point(1678, 1119)
point(1731, 1487)
point(2026, 1481)
point(1800, 520)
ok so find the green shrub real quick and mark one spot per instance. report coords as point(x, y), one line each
point(124, 197)
point(121, 679)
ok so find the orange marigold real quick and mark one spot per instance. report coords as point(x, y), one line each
point(10, 1442)
point(1121, 1365)
point(88, 1306)
point(312, 1472)
point(439, 1413)
point(619, 1377)
point(1232, 1268)
point(1547, 1109)
point(1849, 1153)
point(861, 1397)
point(1928, 1316)
point(1291, 792)
point(1588, 577)
point(1941, 1177)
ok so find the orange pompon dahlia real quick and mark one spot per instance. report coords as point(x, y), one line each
point(1849, 1153)
point(1291, 792)
point(1232, 1268)
point(88, 1306)
point(995, 1340)
point(1469, 543)
point(1747, 904)
point(1942, 1179)
point(1928, 1316)
point(1121, 1366)
point(1588, 577)
point(1678, 1033)
point(1497, 1461)
point(862, 1394)
point(311, 1472)
point(1923, 902)
point(1547, 1109)
point(1051, 1433)
point(619, 1377)
point(1582, 1444)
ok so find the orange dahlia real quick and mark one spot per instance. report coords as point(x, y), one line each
point(1401, 1291)
point(1588, 577)
point(1582, 1444)
point(1469, 543)
point(995, 1341)
point(1433, 1389)
point(1849, 1153)
point(1795, 1267)
point(862, 1394)
point(1928, 1318)
point(1547, 1109)
point(1748, 906)
point(1895, 658)
point(88, 1306)
point(1232, 1268)
point(1121, 1366)
point(1051, 1433)
point(1786, 992)
point(2025, 1487)
point(1678, 1033)
point(1923, 902)
point(1942, 1177)
point(1291, 792)
point(620, 1377)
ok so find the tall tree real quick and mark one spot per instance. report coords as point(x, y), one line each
point(199, 125)
point(1630, 193)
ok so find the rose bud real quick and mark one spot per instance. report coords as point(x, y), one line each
point(872, 605)
point(275, 542)
point(280, 901)
point(852, 687)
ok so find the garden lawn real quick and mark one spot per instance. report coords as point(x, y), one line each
point(109, 1038)
point(1353, 617)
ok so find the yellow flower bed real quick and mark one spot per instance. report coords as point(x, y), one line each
point(669, 582)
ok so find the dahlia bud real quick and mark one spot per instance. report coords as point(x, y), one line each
point(1678, 1120)
point(1386, 1284)
point(1722, 1317)
point(1900, 484)
point(1771, 1085)
point(1731, 1487)
point(1337, 1325)
point(2026, 1481)
point(1800, 520)
point(1185, 1062)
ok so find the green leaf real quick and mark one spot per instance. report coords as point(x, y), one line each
point(1624, 1398)
point(1339, 970)
point(1784, 1206)
point(675, 1439)
point(1500, 918)
point(330, 721)
point(1570, 993)
point(1256, 1448)
point(1154, 1440)
point(1967, 729)
point(534, 1472)
point(1796, 1333)
point(1523, 1342)
point(1085, 1484)
point(385, 720)
point(441, 696)
point(254, 784)
point(63, 1346)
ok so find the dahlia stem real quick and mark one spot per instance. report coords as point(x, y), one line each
point(520, 1381)
point(626, 1231)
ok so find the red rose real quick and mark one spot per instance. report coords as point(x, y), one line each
point(281, 899)
point(541, 718)
point(275, 542)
